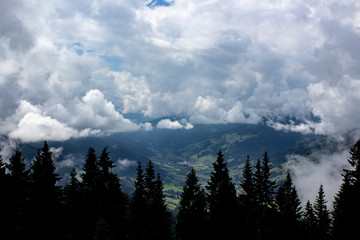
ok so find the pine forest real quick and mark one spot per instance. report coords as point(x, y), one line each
point(92, 205)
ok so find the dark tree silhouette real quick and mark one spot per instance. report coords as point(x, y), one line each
point(222, 200)
point(149, 217)
point(266, 186)
point(158, 218)
point(289, 209)
point(343, 211)
point(248, 207)
point(5, 200)
point(19, 194)
point(113, 202)
point(91, 176)
point(346, 203)
point(91, 185)
point(309, 221)
point(321, 215)
point(265, 210)
point(138, 207)
point(74, 211)
point(45, 196)
point(192, 210)
point(247, 184)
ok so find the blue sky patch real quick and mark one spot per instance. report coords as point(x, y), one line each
point(113, 62)
point(78, 48)
point(156, 3)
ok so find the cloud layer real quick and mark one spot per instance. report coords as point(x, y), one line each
point(73, 68)
point(310, 174)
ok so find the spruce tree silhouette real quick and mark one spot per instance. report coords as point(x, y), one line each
point(158, 218)
point(91, 186)
point(343, 211)
point(289, 209)
point(113, 202)
point(309, 221)
point(5, 200)
point(222, 201)
point(321, 215)
point(248, 207)
point(19, 194)
point(265, 209)
point(74, 211)
point(45, 196)
point(192, 210)
point(346, 203)
point(138, 204)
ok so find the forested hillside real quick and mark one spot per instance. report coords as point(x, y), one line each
point(92, 205)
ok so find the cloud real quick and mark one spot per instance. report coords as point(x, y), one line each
point(133, 90)
point(168, 124)
point(334, 104)
point(35, 127)
point(326, 169)
point(209, 61)
point(146, 126)
point(219, 110)
point(56, 152)
point(123, 164)
point(92, 115)
point(95, 112)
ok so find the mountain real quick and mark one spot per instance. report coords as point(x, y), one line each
point(175, 151)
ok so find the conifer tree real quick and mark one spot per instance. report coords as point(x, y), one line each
point(105, 163)
point(113, 201)
point(267, 187)
point(45, 195)
point(18, 193)
point(343, 211)
point(247, 184)
point(149, 182)
point(17, 167)
point(309, 221)
point(346, 204)
point(5, 213)
point(222, 200)
point(289, 208)
point(43, 175)
point(321, 215)
point(248, 209)
point(138, 207)
point(74, 199)
point(158, 218)
point(288, 201)
point(264, 194)
point(91, 185)
point(192, 210)
point(74, 186)
point(91, 176)
point(258, 182)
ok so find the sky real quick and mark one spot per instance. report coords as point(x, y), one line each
point(73, 69)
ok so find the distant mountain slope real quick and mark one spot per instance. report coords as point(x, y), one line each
point(175, 151)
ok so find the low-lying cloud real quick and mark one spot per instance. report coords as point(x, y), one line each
point(326, 169)
point(123, 164)
point(168, 124)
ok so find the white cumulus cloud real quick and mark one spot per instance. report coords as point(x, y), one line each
point(168, 124)
point(35, 127)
